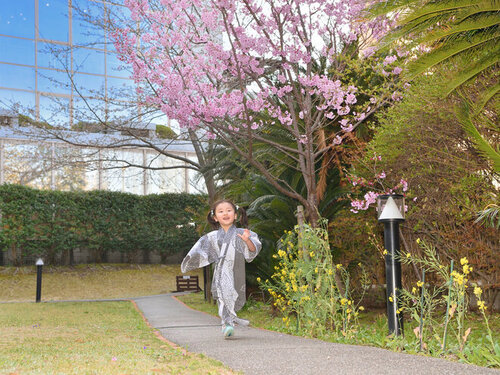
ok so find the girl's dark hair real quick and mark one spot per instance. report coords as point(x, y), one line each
point(240, 211)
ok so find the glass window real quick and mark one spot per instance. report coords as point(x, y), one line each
point(89, 85)
point(28, 164)
point(121, 88)
point(85, 33)
point(53, 19)
point(17, 18)
point(18, 51)
point(119, 112)
point(116, 67)
point(88, 61)
point(54, 81)
point(69, 170)
point(17, 101)
point(54, 111)
point(88, 111)
point(17, 77)
point(167, 180)
point(55, 56)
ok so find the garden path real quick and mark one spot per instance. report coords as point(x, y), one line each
point(256, 351)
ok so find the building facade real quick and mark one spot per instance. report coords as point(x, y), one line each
point(59, 68)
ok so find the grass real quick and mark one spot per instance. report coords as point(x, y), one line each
point(372, 331)
point(89, 281)
point(88, 337)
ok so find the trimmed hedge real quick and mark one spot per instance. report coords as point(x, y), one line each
point(53, 223)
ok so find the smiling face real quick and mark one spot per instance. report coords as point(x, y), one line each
point(225, 214)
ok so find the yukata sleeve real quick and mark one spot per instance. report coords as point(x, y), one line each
point(199, 256)
point(243, 248)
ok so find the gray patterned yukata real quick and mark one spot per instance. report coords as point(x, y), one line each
point(228, 252)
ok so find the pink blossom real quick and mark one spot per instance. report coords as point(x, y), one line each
point(397, 70)
point(390, 59)
point(381, 175)
point(337, 140)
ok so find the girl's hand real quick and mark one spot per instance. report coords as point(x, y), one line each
point(245, 236)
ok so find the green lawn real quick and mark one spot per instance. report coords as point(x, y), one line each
point(89, 338)
point(88, 281)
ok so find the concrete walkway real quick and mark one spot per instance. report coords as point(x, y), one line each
point(259, 352)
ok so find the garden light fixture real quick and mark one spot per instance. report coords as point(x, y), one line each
point(390, 211)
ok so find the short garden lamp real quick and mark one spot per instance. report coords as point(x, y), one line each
point(390, 211)
point(39, 266)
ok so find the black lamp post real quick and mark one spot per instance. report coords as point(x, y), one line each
point(390, 210)
point(39, 266)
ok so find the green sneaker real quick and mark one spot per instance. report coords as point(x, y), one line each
point(228, 331)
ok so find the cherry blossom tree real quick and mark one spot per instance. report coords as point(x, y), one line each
point(237, 70)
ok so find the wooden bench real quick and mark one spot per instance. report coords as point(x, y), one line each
point(187, 283)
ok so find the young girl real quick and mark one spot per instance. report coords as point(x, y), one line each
point(228, 247)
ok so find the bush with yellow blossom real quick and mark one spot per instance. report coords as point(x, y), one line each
point(307, 284)
point(450, 293)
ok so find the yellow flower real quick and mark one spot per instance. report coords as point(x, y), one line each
point(390, 299)
point(343, 301)
point(398, 311)
point(420, 284)
point(348, 311)
point(414, 290)
point(359, 264)
point(384, 252)
point(275, 256)
point(466, 269)
point(258, 279)
point(285, 319)
point(311, 254)
point(463, 261)
point(481, 305)
point(418, 241)
point(361, 308)
point(478, 291)
point(349, 302)
point(316, 270)
point(339, 265)
point(408, 255)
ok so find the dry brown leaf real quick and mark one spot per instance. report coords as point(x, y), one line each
point(416, 331)
point(452, 310)
point(466, 335)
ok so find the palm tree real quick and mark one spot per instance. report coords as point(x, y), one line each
point(463, 31)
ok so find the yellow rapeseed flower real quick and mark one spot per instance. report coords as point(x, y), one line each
point(390, 299)
point(258, 279)
point(361, 308)
point(384, 252)
point(408, 255)
point(463, 261)
point(343, 301)
point(311, 254)
point(339, 265)
point(316, 270)
point(414, 290)
point(478, 291)
point(418, 241)
point(420, 284)
point(481, 305)
point(466, 269)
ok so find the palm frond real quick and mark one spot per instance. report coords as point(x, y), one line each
point(483, 147)
point(447, 51)
point(487, 61)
